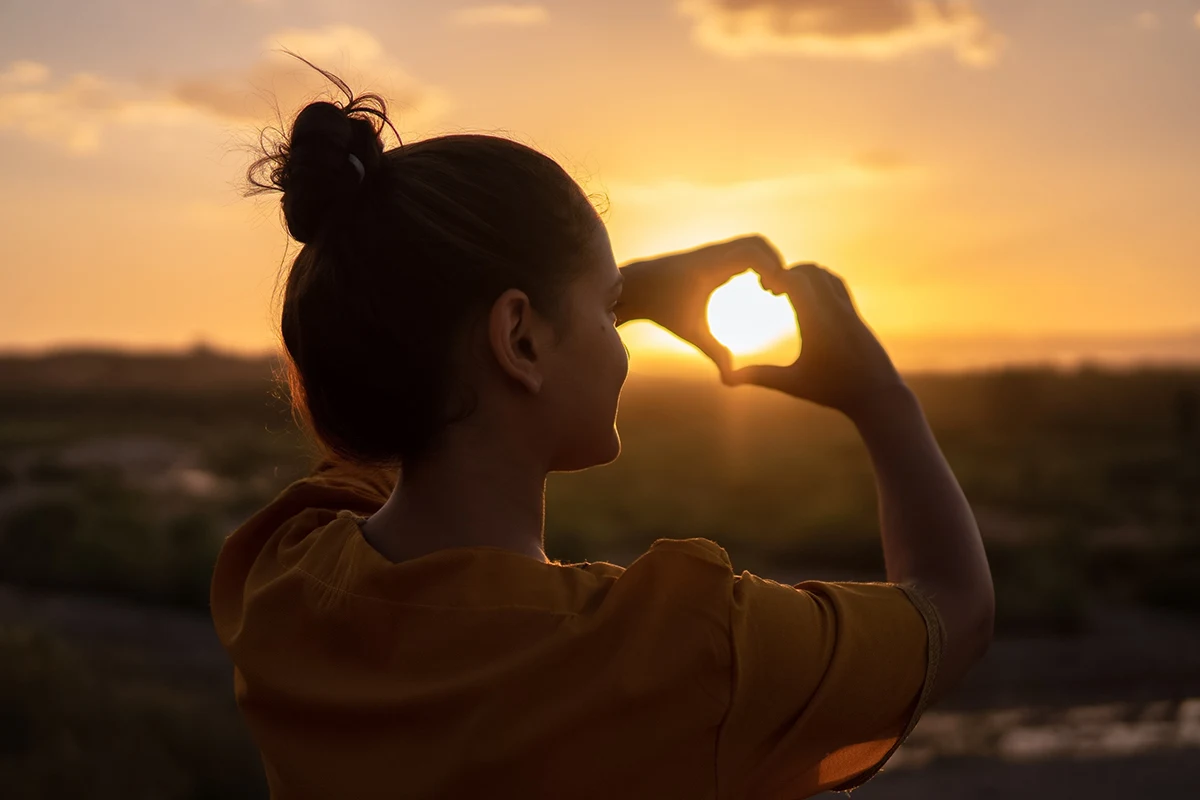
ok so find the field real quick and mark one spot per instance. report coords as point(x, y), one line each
point(120, 475)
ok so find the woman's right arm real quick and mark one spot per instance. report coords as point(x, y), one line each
point(930, 538)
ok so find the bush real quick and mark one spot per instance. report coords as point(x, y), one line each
point(105, 541)
point(37, 541)
point(192, 542)
point(51, 470)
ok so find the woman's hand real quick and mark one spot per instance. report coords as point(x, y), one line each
point(841, 364)
point(673, 289)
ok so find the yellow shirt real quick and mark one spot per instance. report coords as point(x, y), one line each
point(481, 672)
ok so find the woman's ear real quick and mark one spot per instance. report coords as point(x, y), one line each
point(514, 333)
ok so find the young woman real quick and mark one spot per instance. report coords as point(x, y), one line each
point(395, 626)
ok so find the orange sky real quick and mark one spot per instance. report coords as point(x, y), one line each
point(993, 179)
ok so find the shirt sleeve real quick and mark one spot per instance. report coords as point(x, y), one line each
point(828, 679)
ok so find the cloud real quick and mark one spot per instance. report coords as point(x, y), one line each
point(277, 80)
point(501, 15)
point(78, 111)
point(880, 29)
point(75, 111)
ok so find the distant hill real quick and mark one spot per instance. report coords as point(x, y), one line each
point(953, 353)
point(203, 369)
point(197, 370)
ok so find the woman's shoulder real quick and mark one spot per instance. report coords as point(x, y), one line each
point(698, 548)
point(682, 571)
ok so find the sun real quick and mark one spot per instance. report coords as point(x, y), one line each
point(747, 319)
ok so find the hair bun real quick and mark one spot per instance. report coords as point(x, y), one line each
point(317, 175)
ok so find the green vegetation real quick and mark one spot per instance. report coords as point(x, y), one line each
point(1084, 481)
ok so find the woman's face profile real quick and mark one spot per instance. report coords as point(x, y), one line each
point(588, 367)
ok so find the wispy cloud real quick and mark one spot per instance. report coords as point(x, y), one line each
point(881, 161)
point(516, 15)
point(818, 201)
point(78, 111)
point(836, 28)
point(24, 73)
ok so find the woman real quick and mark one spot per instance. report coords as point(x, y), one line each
point(402, 633)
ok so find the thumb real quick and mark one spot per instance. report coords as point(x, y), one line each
point(771, 377)
point(719, 353)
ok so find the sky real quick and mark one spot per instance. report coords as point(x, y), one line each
point(995, 180)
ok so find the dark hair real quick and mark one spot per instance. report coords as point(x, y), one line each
point(397, 263)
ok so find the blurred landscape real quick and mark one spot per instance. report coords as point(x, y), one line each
point(120, 475)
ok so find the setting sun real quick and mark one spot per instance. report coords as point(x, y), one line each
point(747, 319)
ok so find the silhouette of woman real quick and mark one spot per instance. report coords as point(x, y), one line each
point(395, 626)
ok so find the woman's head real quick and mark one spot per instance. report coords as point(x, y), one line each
point(456, 286)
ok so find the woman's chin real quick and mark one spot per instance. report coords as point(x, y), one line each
point(595, 455)
point(613, 449)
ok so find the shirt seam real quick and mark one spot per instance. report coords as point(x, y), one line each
point(728, 634)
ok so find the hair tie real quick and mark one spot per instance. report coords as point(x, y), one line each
point(358, 167)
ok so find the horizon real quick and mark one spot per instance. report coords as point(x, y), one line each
point(912, 355)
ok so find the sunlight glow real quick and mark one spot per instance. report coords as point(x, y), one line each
point(747, 319)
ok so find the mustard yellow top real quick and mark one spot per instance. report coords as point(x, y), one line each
point(481, 672)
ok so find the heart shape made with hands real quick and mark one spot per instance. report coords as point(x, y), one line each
point(754, 324)
point(683, 293)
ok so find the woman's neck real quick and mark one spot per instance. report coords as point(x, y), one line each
point(463, 498)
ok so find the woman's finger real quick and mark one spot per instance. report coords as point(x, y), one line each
point(764, 256)
point(801, 285)
point(776, 282)
point(766, 375)
point(747, 252)
point(837, 288)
